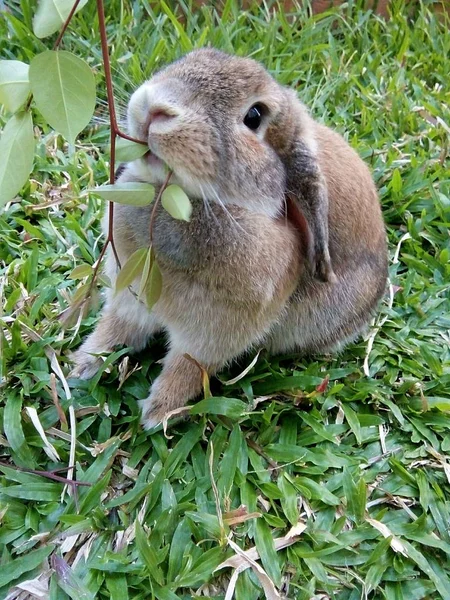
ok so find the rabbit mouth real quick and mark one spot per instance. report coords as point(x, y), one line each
point(153, 160)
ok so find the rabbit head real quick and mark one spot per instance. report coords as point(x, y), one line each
point(230, 133)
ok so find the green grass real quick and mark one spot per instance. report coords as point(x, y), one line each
point(366, 449)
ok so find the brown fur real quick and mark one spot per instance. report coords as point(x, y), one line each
point(286, 245)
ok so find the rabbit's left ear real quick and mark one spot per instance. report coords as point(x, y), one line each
point(306, 189)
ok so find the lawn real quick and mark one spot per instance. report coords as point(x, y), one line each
point(350, 450)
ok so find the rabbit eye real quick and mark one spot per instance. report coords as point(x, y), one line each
point(254, 117)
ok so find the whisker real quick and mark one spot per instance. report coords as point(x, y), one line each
point(225, 209)
point(209, 211)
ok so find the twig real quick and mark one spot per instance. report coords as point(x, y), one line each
point(66, 24)
point(48, 474)
point(273, 466)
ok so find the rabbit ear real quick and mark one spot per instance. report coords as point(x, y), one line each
point(307, 191)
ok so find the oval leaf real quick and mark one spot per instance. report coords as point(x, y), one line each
point(153, 287)
point(131, 269)
point(132, 193)
point(127, 151)
point(51, 15)
point(63, 87)
point(176, 202)
point(81, 271)
point(17, 153)
point(149, 259)
point(14, 84)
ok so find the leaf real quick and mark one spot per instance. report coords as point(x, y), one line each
point(18, 566)
point(149, 259)
point(117, 586)
point(177, 203)
point(353, 421)
point(51, 15)
point(229, 407)
point(12, 426)
point(396, 181)
point(69, 581)
point(14, 84)
point(63, 88)
point(356, 497)
point(266, 549)
point(148, 555)
point(153, 286)
point(43, 492)
point(81, 271)
point(229, 462)
point(131, 193)
point(179, 545)
point(209, 522)
point(17, 154)
point(131, 269)
point(289, 500)
point(127, 151)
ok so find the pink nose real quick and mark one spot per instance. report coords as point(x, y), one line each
point(159, 115)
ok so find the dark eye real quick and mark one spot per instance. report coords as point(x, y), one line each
point(254, 117)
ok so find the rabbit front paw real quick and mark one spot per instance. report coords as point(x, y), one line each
point(85, 365)
point(153, 411)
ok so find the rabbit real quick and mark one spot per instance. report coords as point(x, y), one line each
point(286, 247)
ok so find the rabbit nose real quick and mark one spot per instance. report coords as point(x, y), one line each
point(160, 116)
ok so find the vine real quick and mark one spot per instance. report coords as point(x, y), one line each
point(51, 84)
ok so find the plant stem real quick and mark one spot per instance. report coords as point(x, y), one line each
point(66, 24)
point(114, 130)
point(48, 474)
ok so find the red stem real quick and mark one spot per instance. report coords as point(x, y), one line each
point(114, 129)
point(66, 24)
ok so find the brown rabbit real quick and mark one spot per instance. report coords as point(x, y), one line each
point(286, 246)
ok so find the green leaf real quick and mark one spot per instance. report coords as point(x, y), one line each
point(127, 151)
point(63, 87)
point(43, 492)
point(353, 421)
point(153, 286)
point(266, 548)
point(51, 15)
point(209, 522)
point(177, 203)
point(81, 271)
point(317, 491)
point(164, 593)
point(69, 581)
point(356, 497)
point(148, 555)
point(18, 566)
point(17, 154)
point(12, 426)
point(131, 193)
point(180, 544)
point(149, 259)
point(229, 462)
point(229, 407)
point(117, 586)
point(14, 84)
point(396, 181)
point(289, 499)
point(131, 269)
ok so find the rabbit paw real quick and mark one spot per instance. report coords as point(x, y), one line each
point(154, 411)
point(86, 365)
